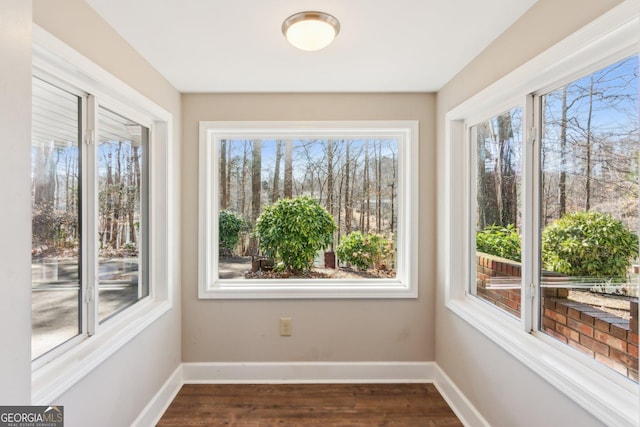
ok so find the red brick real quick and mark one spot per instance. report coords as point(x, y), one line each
point(561, 308)
point(632, 337)
point(573, 313)
point(602, 325)
point(581, 348)
point(612, 364)
point(583, 328)
point(619, 331)
point(594, 345)
point(610, 340)
point(633, 350)
point(548, 322)
point(633, 374)
point(568, 332)
point(557, 335)
point(549, 303)
point(586, 316)
point(623, 358)
point(560, 318)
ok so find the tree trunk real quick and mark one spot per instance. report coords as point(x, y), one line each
point(228, 177)
point(223, 174)
point(365, 190)
point(379, 189)
point(275, 194)
point(330, 177)
point(243, 182)
point(347, 205)
point(256, 186)
point(288, 169)
point(587, 202)
point(562, 184)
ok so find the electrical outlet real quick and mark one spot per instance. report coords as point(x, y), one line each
point(286, 327)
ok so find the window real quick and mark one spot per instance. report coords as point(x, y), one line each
point(67, 229)
point(101, 224)
point(496, 150)
point(588, 221)
point(357, 175)
point(64, 228)
point(571, 216)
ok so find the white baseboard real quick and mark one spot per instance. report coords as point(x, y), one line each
point(310, 373)
point(464, 410)
point(154, 410)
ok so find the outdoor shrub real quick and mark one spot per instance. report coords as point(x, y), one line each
point(292, 231)
point(499, 241)
point(365, 250)
point(229, 226)
point(588, 244)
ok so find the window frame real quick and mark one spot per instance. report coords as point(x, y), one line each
point(405, 285)
point(604, 393)
point(60, 368)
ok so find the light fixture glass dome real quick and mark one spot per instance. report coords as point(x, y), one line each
point(310, 30)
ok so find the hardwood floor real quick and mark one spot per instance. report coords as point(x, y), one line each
point(256, 405)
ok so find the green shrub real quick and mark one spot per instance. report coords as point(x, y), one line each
point(365, 250)
point(230, 224)
point(588, 244)
point(292, 231)
point(499, 241)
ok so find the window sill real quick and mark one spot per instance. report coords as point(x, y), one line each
point(308, 289)
point(52, 379)
point(612, 400)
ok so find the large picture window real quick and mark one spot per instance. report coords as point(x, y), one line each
point(300, 209)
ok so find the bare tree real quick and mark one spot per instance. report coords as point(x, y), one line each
point(288, 169)
point(224, 200)
point(275, 193)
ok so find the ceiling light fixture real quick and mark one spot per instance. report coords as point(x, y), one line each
point(310, 30)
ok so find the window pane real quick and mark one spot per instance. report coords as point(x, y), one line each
point(55, 203)
point(589, 208)
point(123, 214)
point(353, 180)
point(497, 145)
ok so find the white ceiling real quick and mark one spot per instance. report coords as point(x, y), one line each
point(237, 45)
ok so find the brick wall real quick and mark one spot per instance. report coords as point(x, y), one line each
point(498, 282)
point(609, 339)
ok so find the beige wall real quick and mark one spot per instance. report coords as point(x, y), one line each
point(503, 390)
point(324, 330)
point(115, 392)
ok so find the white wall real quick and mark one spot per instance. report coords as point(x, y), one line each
point(15, 214)
point(116, 391)
point(324, 330)
point(501, 388)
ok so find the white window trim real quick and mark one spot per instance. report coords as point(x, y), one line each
point(605, 394)
point(53, 374)
point(405, 285)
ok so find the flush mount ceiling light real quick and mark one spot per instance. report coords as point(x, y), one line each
point(310, 30)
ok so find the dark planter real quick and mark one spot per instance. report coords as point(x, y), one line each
point(330, 259)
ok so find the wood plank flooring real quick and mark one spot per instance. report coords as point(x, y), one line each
point(258, 405)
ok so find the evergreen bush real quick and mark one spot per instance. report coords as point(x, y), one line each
point(230, 224)
point(589, 244)
point(500, 241)
point(365, 250)
point(292, 231)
